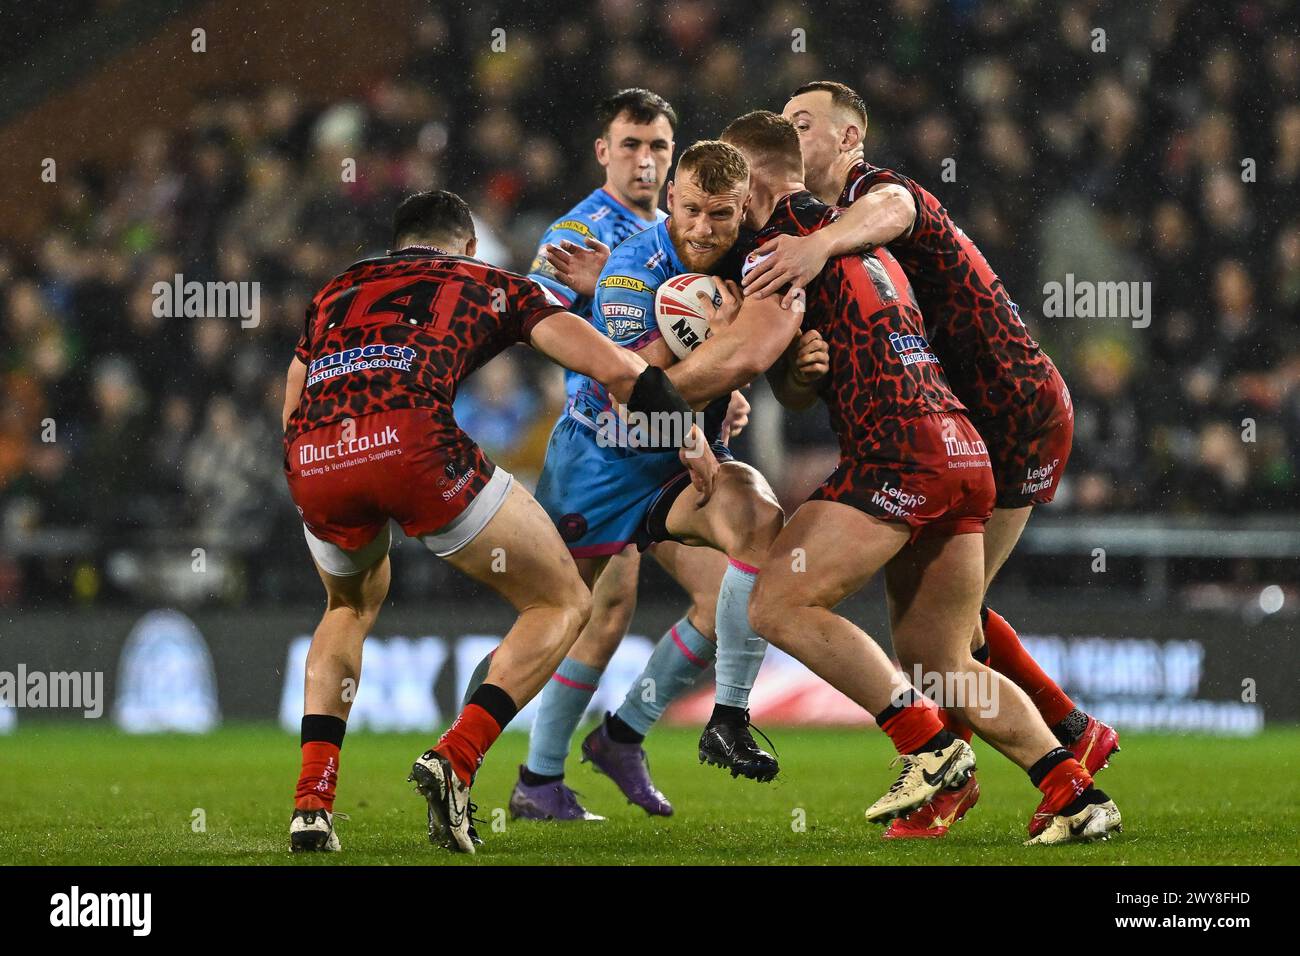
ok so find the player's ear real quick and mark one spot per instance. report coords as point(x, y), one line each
point(471, 246)
point(602, 150)
point(852, 138)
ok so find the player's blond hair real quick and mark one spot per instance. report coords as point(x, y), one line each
point(717, 166)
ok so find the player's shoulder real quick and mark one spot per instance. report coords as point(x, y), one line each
point(414, 263)
point(809, 213)
point(640, 262)
point(356, 273)
point(797, 214)
point(864, 177)
point(596, 215)
point(582, 220)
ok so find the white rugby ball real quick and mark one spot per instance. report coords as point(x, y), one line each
point(677, 311)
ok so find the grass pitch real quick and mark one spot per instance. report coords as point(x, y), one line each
point(72, 795)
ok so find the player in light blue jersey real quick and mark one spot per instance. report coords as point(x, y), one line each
point(605, 495)
point(635, 147)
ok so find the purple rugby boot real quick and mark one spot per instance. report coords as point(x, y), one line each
point(625, 764)
point(547, 801)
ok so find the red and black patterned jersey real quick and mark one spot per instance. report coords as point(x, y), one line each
point(883, 373)
point(992, 362)
point(403, 330)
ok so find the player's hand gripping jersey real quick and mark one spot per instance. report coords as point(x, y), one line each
point(1012, 391)
point(386, 343)
point(907, 451)
point(602, 490)
point(599, 216)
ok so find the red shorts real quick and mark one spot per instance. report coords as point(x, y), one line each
point(349, 478)
point(1029, 453)
point(939, 482)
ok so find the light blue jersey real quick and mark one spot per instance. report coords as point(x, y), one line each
point(599, 216)
point(600, 493)
point(624, 306)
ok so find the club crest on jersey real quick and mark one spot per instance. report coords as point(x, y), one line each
point(360, 358)
point(911, 348)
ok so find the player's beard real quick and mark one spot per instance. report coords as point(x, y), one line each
point(700, 262)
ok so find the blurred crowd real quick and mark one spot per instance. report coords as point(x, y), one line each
point(1166, 149)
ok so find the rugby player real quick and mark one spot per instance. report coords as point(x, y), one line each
point(370, 436)
point(605, 493)
point(1013, 392)
point(635, 148)
point(911, 495)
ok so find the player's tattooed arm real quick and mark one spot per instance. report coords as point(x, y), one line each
point(737, 355)
point(886, 212)
point(293, 385)
point(795, 375)
point(578, 267)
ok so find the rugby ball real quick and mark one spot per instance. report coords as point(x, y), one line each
point(677, 311)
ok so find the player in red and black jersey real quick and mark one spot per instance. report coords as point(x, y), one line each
point(370, 437)
point(888, 375)
point(1013, 392)
point(911, 495)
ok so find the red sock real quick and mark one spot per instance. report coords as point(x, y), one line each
point(911, 726)
point(1063, 784)
point(1008, 656)
point(467, 740)
point(955, 725)
point(320, 771)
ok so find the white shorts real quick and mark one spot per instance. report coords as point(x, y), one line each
point(445, 541)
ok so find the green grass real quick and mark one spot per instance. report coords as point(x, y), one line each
point(71, 795)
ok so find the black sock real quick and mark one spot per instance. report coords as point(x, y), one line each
point(620, 732)
point(1043, 766)
point(536, 779)
point(1086, 799)
point(499, 705)
point(1071, 728)
point(943, 738)
point(324, 728)
point(907, 698)
point(723, 714)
